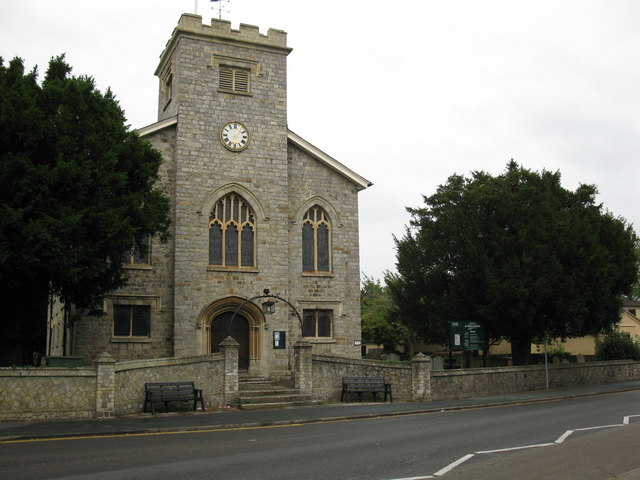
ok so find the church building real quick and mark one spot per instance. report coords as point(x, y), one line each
point(259, 215)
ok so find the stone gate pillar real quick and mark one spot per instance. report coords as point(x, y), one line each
point(230, 349)
point(303, 364)
point(105, 386)
point(421, 378)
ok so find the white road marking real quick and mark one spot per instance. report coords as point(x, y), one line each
point(626, 420)
point(522, 447)
point(453, 465)
point(599, 427)
point(564, 436)
point(414, 478)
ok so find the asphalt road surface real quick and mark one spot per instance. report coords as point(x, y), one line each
point(568, 439)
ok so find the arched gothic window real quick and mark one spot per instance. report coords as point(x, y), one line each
point(232, 237)
point(316, 241)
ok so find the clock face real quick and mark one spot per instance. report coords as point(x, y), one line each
point(234, 136)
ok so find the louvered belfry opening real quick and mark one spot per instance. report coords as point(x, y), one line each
point(234, 80)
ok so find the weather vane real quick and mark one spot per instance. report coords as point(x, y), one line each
point(219, 7)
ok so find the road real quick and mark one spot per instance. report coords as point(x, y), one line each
point(408, 446)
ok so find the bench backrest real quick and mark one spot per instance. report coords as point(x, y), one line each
point(166, 387)
point(363, 380)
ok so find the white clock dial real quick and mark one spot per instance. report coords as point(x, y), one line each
point(234, 136)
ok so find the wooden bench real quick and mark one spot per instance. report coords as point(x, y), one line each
point(171, 392)
point(359, 385)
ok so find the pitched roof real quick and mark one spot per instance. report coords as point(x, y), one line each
point(329, 161)
point(154, 127)
point(296, 140)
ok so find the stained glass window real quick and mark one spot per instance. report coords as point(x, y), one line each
point(232, 233)
point(316, 241)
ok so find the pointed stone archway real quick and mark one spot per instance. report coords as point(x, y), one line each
point(247, 329)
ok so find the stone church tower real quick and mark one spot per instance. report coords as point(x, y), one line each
point(254, 207)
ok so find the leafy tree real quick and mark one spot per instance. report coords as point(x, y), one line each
point(77, 191)
point(635, 289)
point(377, 324)
point(618, 346)
point(517, 252)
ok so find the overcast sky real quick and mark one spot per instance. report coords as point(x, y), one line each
point(404, 92)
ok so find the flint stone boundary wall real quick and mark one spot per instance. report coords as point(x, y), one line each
point(328, 372)
point(206, 371)
point(47, 393)
point(407, 385)
point(478, 382)
point(75, 393)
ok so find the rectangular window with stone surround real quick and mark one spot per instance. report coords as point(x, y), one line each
point(317, 323)
point(131, 320)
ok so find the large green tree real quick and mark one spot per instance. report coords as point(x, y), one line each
point(77, 190)
point(379, 325)
point(517, 252)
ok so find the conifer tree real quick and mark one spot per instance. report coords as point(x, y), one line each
point(76, 191)
point(516, 252)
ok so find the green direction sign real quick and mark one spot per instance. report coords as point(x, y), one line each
point(466, 336)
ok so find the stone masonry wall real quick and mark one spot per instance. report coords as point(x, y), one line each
point(313, 184)
point(206, 371)
point(477, 382)
point(47, 393)
point(70, 393)
point(57, 393)
point(205, 170)
point(328, 372)
point(278, 180)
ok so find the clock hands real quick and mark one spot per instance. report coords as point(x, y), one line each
point(235, 137)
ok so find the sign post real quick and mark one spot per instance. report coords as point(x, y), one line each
point(466, 336)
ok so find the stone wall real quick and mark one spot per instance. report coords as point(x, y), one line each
point(206, 371)
point(118, 388)
point(477, 382)
point(47, 393)
point(328, 372)
point(417, 382)
point(111, 388)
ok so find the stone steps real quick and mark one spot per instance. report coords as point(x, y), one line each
point(259, 393)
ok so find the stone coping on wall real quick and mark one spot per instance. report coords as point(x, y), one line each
point(47, 372)
point(169, 361)
point(360, 362)
point(530, 368)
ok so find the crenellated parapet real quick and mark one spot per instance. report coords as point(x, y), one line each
point(192, 24)
point(220, 30)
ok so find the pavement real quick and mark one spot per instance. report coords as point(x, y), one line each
point(233, 418)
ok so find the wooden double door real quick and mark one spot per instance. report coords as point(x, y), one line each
point(221, 328)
